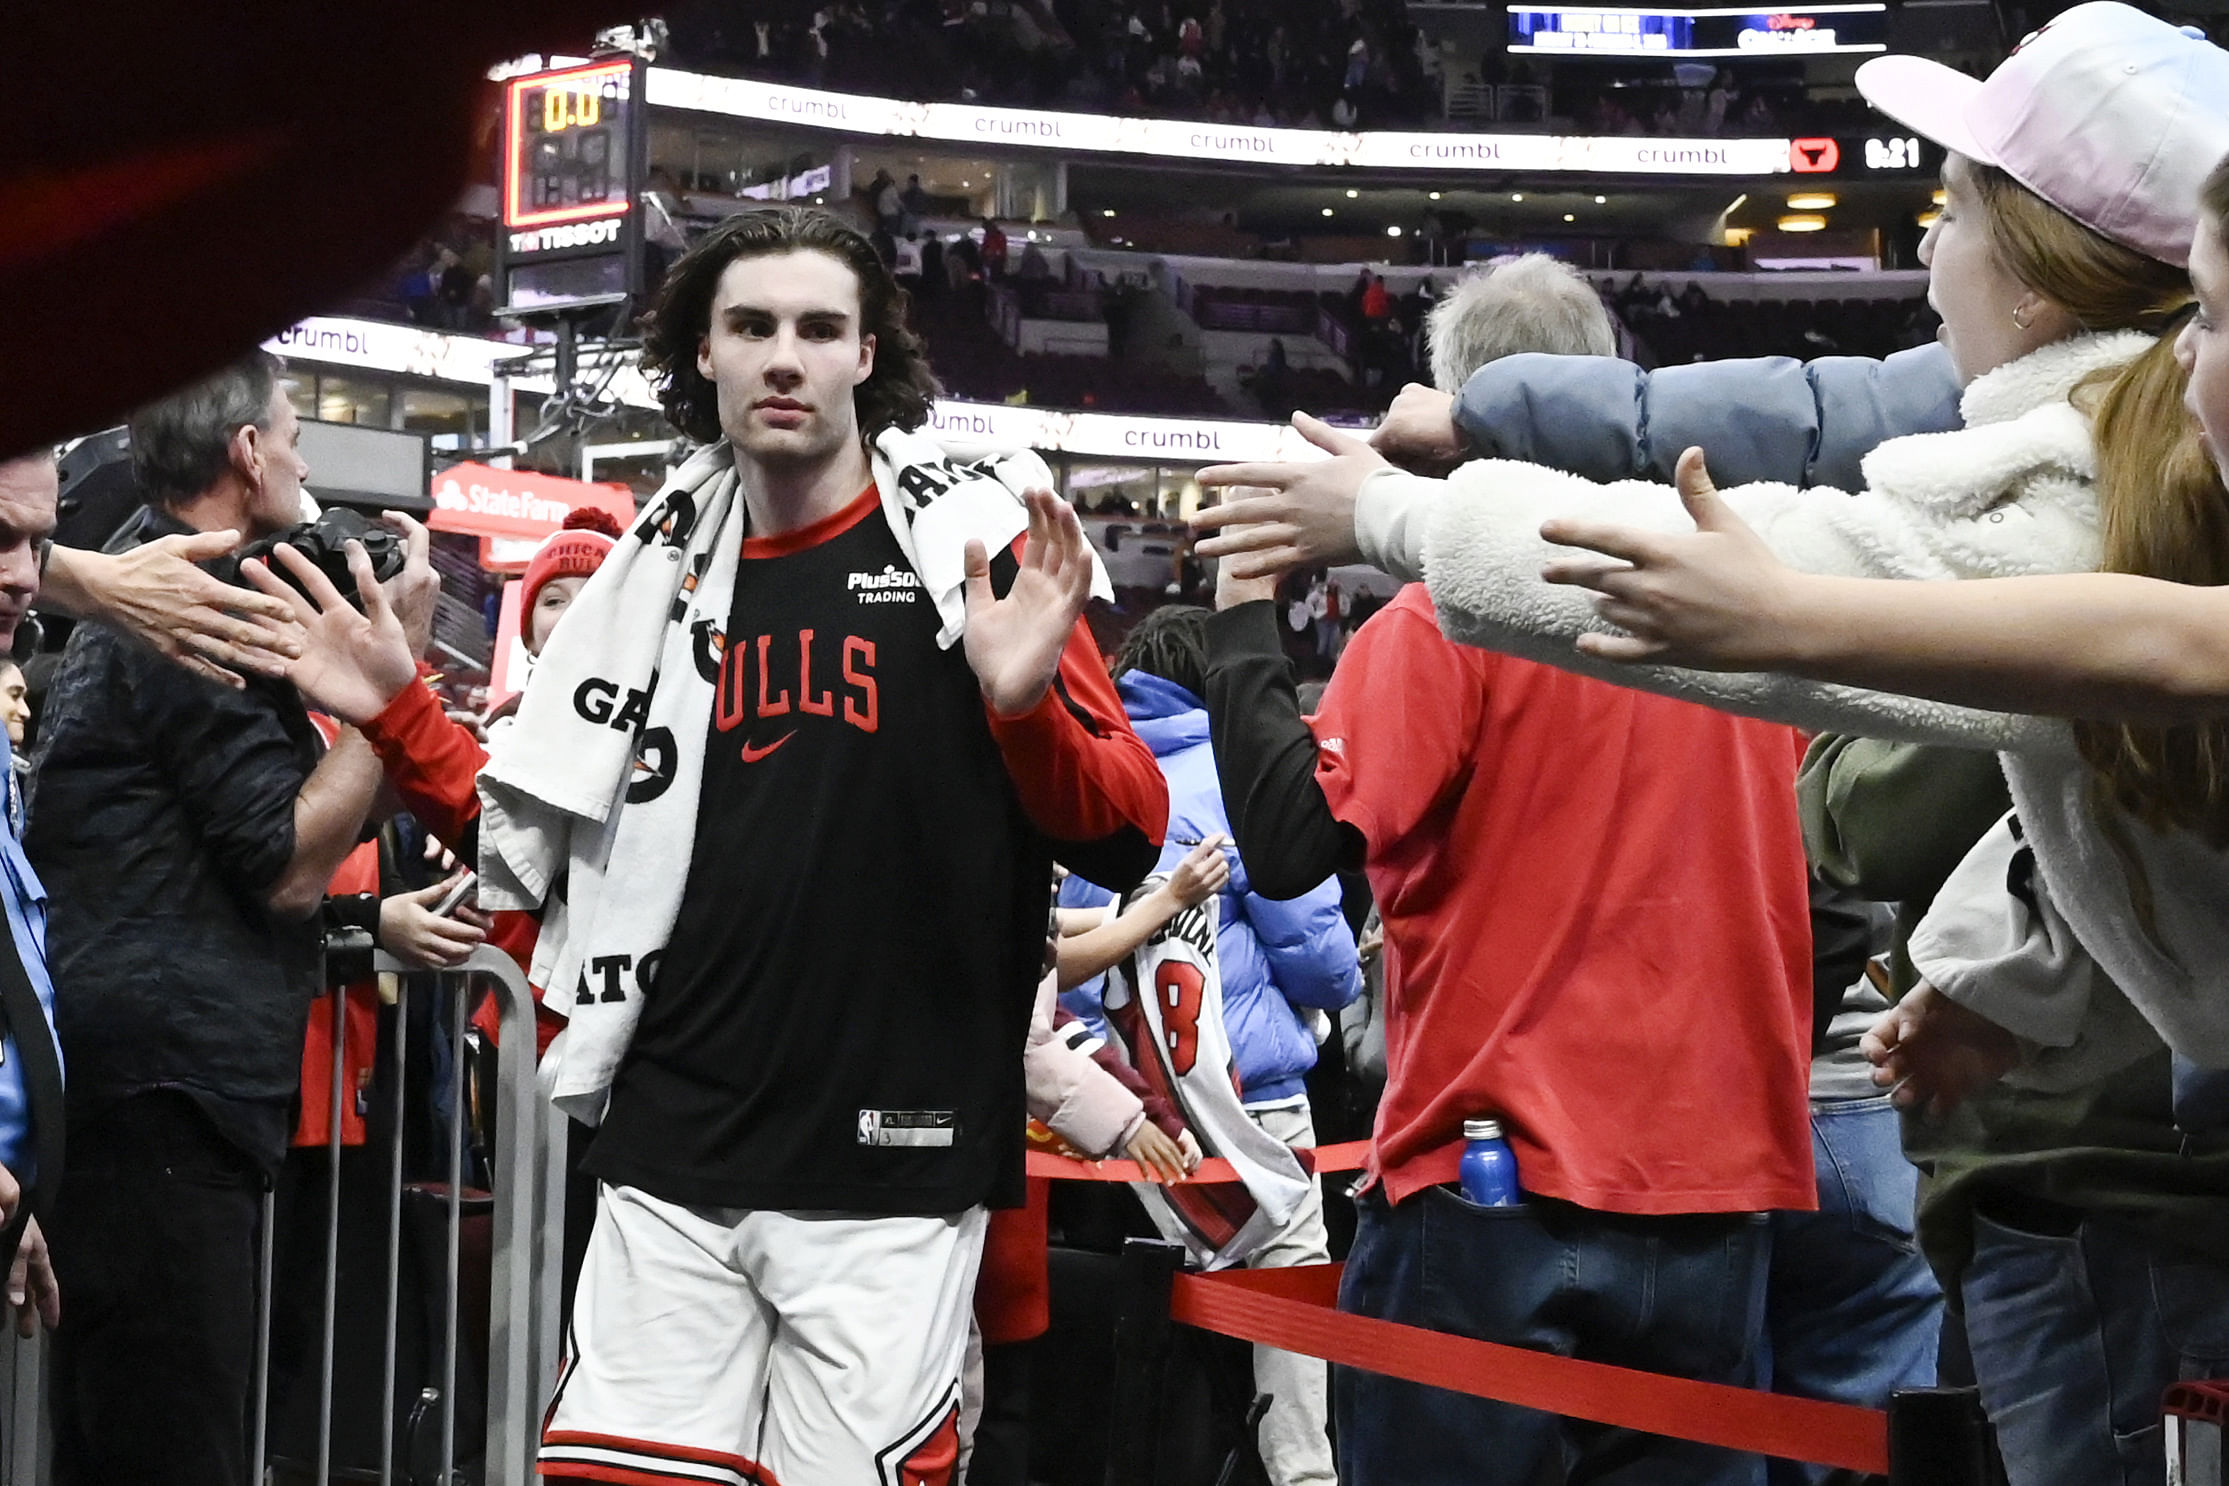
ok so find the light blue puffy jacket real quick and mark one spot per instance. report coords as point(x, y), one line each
point(1276, 956)
point(1765, 418)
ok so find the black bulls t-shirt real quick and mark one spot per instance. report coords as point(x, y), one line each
point(839, 1019)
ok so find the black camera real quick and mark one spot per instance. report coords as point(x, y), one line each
point(322, 542)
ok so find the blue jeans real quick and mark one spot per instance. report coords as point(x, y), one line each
point(1682, 1295)
point(2076, 1335)
point(1852, 1312)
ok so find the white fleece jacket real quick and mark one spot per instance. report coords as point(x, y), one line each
point(2011, 493)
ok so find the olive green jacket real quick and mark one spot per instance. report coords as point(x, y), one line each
point(1892, 820)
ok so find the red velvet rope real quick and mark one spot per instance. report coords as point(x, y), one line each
point(1348, 1156)
point(1295, 1309)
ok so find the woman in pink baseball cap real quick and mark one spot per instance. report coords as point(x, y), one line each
point(2082, 645)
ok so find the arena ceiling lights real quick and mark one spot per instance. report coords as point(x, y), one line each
point(1182, 140)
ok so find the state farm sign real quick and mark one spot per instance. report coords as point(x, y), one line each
point(481, 501)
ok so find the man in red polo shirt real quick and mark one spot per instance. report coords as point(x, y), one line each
point(1597, 932)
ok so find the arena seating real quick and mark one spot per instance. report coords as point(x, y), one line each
point(1263, 62)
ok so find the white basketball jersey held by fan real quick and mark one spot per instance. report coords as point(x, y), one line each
point(1167, 1004)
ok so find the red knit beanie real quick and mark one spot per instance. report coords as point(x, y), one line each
point(577, 549)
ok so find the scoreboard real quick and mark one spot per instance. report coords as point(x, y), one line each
point(1599, 31)
point(572, 161)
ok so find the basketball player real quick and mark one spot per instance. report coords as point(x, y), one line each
point(823, 1095)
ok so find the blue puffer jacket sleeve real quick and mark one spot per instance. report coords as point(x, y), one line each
point(1767, 419)
point(1310, 950)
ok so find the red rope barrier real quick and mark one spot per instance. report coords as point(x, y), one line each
point(1347, 1156)
point(1294, 1309)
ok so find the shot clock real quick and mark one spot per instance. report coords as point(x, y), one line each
point(572, 158)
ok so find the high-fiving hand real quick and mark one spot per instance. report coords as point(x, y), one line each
point(157, 592)
point(1715, 598)
point(352, 665)
point(1303, 515)
point(1014, 643)
point(1419, 432)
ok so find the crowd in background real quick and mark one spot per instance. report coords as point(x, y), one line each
point(1323, 64)
point(1852, 1021)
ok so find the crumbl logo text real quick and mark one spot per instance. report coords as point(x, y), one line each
point(568, 235)
point(1193, 440)
point(323, 338)
point(945, 419)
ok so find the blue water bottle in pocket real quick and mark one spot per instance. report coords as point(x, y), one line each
point(1489, 1176)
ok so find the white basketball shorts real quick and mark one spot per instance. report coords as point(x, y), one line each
point(750, 1348)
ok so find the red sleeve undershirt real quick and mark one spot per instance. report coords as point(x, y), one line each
point(433, 763)
point(1079, 781)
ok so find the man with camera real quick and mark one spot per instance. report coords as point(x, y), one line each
point(186, 832)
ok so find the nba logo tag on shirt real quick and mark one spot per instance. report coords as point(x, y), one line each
point(908, 1126)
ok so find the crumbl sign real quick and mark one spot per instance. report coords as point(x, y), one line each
point(664, 87)
point(322, 342)
point(1638, 156)
point(1176, 139)
point(336, 340)
point(970, 427)
point(1186, 440)
point(995, 425)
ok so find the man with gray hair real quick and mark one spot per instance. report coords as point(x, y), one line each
point(1532, 303)
point(1516, 825)
point(186, 831)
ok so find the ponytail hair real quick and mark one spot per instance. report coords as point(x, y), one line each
point(2163, 513)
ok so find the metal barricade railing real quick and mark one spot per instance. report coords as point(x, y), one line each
point(527, 1199)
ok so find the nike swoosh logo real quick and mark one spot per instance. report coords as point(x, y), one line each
point(752, 754)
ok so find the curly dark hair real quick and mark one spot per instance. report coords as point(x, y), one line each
point(896, 394)
point(1171, 643)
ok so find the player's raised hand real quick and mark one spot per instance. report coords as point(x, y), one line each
point(1014, 643)
point(351, 664)
point(1714, 598)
